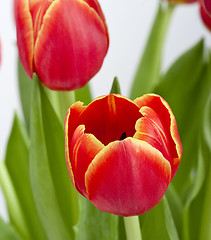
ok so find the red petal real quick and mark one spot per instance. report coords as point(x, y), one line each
point(67, 57)
point(110, 117)
point(169, 126)
point(127, 177)
point(25, 38)
point(83, 149)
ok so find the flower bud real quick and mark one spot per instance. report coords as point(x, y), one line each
point(63, 41)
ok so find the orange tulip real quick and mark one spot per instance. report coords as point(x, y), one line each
point(122, 154)
point(63, 41)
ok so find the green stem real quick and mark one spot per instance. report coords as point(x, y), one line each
point(132, 228)
point(148, 72)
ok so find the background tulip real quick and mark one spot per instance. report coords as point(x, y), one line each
point(207, 6)
point(63, 41)
point(122, 154)
point(205, 17)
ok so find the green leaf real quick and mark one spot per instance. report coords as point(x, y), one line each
point(148, 72)
point(13, 204)
point(55, 145)
point(25, 90)
point(115, 87)
point(183, 88)
point(94, 224)
point(7, 232)
point(60, 101)
point(159, 224)
point(84, 94)
point(17, 157)
point(186, 87)
point(41, 179)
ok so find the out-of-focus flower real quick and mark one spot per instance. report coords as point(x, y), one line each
point(122, 154)
point(207, 6)
point(63, 41)
point(205, 17)
point(0, 51)
point(182, 1)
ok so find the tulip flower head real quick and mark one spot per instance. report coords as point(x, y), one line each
point(206, 18)
point(122, 154)
point(182, 1)
point(63, 41)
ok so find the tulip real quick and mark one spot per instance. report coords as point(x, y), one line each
point(205, 17)
point(122, 154)
point(63, 41)
point(207, 6)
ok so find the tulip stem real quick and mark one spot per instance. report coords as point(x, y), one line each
point(132, 228)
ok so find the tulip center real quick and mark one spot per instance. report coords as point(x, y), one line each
point(111, 118)
point(123, 136)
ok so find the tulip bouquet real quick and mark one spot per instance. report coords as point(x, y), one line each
point(110, 168)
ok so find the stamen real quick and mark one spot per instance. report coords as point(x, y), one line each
point(123, 136)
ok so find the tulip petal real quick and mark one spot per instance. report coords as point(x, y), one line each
point(25, 38)
point(67, 57)
point(110, 117)
point(71, 119)
point(161, 107)
point(127, 177)
point(83, 149)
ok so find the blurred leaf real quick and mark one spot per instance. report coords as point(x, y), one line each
point(94, 224)
point(7, 232)
point(183, 88)
point(176, 207)
point(25, 91)
point(84, 94)
point(149, 68)
point(17, 157)
point(55, 145)
point(41, 180)
point(159, 224)
point(199, 211)
point(115, 87)
point(13, 204)
point(186, 87)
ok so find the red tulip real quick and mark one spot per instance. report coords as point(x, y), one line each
point(205, 17)
point(122, 154)
point(63, 41)
point(207, 6)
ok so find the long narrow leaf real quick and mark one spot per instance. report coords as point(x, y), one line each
point(7, 232)
point(94, 224)
point(41, 179)
point(148, 72)
point(17, 157)
point(55, 145)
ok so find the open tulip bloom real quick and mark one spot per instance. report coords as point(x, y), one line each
point(122, 154)
point(63, 41)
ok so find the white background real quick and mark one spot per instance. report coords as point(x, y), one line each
point(129, 24)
